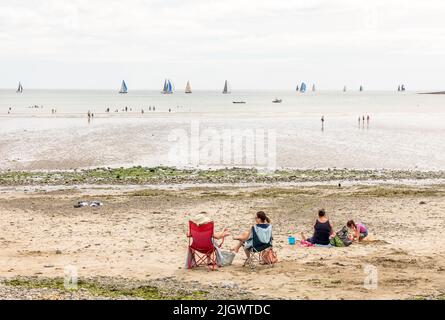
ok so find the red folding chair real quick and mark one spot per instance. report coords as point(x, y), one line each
point(201, 247)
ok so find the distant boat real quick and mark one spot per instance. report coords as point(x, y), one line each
point(168, 87)
point(403, 87)
point(188, 88)
point(276, 100)
point(344, 89)
point(123, 89)
point(226, 89)
point(361, 88)
point(313, 87)
point(239, 102)
point(303, 87)
point(20, 88)
point(298, 89)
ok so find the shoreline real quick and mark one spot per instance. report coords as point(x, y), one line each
point(244, 176)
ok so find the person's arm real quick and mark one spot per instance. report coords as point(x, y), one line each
point(244, 236)
point(221, 235)
point(332, 229)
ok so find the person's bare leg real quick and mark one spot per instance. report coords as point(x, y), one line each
point(237, 247)
point(303, 236)
point(242, 237)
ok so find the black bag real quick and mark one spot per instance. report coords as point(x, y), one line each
point(343, 234)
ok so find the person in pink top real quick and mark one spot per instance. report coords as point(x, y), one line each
point(359, 230)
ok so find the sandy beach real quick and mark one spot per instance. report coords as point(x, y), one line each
point(390, 167)
point(139, 235)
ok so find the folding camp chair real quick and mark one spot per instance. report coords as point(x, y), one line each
point(259, 251)
point(201, 248)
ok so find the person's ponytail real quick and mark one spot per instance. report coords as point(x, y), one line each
point(262, 216)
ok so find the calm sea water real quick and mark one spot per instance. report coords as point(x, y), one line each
point(405, 131)
point(352, 102)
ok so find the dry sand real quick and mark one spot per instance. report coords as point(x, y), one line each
point(141, 235)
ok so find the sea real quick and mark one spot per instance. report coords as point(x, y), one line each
point(51, 130)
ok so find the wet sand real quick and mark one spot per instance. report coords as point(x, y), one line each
point(140, 234)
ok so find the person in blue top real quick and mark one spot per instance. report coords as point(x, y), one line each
point(263, 230)
point(323, 230)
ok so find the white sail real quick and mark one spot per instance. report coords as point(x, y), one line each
point(188, 88)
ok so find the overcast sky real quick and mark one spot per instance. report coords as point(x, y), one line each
point(255, 44)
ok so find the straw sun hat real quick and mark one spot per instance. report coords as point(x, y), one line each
point(200, 218)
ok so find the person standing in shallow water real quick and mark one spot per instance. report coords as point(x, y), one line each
point(322, 123)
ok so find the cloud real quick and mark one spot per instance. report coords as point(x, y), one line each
point(229, 32)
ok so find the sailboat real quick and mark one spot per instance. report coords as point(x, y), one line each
point(226, 88)
point(303, 87)
point(188, 88)
point(298, 89)
point(20, 88)
point(403, 87)
point(168, 87)
point(361, 88)
point(123, 89)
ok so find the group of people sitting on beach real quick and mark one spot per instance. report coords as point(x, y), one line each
point(323, 232)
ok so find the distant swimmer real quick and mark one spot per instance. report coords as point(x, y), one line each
point(367, 119)
point(142, 111)
point(169, 110)
point(126, 109)
point(149, 108)
point(154, 108)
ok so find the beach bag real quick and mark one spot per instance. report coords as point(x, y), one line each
point(343, 235)
point(269, 256)
point(336, 242)
point(227, 258)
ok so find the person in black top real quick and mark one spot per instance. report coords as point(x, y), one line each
point(323, 229)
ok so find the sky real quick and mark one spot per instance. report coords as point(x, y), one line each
point(255, 44)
